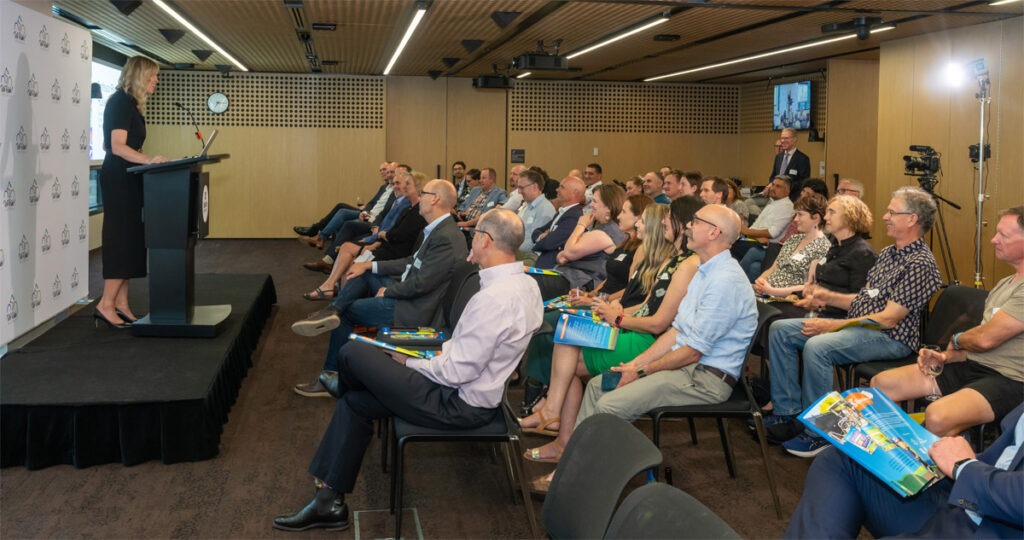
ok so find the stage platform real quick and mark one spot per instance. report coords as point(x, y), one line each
point(84, 396)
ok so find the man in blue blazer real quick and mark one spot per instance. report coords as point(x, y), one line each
point(550, 239)
point(982, 496)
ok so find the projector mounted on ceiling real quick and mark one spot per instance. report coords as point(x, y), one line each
point(862, 25)
point(541, 60)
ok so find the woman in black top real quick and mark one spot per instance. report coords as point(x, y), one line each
point(124, 244)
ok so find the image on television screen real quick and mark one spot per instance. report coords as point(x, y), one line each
point(792, 108)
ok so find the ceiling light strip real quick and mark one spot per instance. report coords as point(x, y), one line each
point(524, 75)
point(420, 12)
point(1001, 2)
point(764, 55)
point(196, 31)
point(613, 39)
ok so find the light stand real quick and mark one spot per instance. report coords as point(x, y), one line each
point(983, 99)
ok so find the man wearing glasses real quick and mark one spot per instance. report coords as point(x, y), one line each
point(461, 388)
point(849, 186)
point(898, 287)
point(399, 292)
point(791, 162)
point(536, 211)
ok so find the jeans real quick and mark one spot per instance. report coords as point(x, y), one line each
point(357, 304)
point(751, 262)
point(821, 353)
point(337, 220)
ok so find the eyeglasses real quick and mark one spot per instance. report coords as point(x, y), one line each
point(429, 193)
point(895, 213)
point(702, 220)
point(474, 231)
point(844, 191)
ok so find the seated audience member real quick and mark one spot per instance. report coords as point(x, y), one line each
point(665, 169)
point(849, 186)
point(736, 202)
point(536, 212)
point(641, 325)
point(713, 191)
point(351, 212)
point(620, 262)
point(675, 185)
point(812, 186)
point(789, 271)
point(592, 175)
point(768, 228)
point(689, 183)
point(462, 187)
point(482, 198)
point(809, 187)
point(515, 199)
point(550, 185)
point(582, 260)
point(549, 239)
point(701, 357)
point(461, 388)
point(378, 206)
point(635, 186)
point(395, 242)
point(470, 180)
point(898, 288)
point(654, 187)
point(979, 498)
point(983, 377)
point(399, 292)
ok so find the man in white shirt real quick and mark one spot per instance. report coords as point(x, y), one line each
point(515, 199)
point(592, 178)
point(769, 227)
point(461, 388)
point(535, 213)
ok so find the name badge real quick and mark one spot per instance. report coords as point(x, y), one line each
point(621, 257)
point(872, 292)
point(823, 260)
point(664, 275)
point(659, 292)
point(417, 263)
point(799, 257)
point(792, 172)
point(529, 221)
point(490, 204)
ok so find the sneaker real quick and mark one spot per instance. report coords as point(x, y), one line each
point(806, 446)
point(782, 431)
point(770, 420)
point(322, 321)
point(311, 389)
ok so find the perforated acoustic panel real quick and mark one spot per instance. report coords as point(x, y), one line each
point(756, 103)
point(624, 107)
point(270, 100)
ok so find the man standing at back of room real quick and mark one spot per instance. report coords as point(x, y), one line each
point(791, 162)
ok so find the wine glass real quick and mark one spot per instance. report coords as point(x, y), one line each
point(933, 368)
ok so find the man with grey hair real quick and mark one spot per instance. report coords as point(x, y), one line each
point(461, 388)
point(883, 322)
point(850, 186)
point(549, 239)
point(482, 198)
point(515, 199)
point(654, 184)
point(536, 212)
point(791, 162)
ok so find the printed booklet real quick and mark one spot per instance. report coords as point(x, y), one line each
point(415, 353)
point(585, 332)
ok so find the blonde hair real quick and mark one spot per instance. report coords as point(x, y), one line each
point(657, 249)
point(134, 78)
point(855, 213)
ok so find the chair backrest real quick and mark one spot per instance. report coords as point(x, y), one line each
point(464, 284)
point(661, 511)
point(604, 453)
point(765, 313)
point(957, 309)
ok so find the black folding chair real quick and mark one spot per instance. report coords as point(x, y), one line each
point(661, 511)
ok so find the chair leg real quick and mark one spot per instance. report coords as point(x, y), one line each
point(395, 448)
point(524, 489)
point(396, 489)
point(384, 434)
point(762, 439)
point(730, 459)
point(693, 430)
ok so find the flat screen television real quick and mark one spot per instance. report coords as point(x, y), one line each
point(792, 106)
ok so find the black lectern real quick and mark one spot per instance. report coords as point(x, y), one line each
point(176, 198)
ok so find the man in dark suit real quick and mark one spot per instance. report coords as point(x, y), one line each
point(550, 239)
point(981, 496)
point(399, 292)
point(791, 162)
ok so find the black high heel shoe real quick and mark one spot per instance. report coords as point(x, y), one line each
point(99, 317)
point(124, 316)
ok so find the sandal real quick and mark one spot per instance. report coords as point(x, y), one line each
point(543, 428)
point(540, 485)
point(319, 294)
point(533, 454)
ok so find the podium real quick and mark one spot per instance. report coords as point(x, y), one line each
point(176, 196)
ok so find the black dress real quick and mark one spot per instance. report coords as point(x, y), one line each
point(124, 242)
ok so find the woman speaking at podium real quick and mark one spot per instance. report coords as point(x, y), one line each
point(124, 239)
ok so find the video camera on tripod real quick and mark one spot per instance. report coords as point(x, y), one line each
point(924, 166)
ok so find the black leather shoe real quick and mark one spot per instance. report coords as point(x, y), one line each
point(335, 519)
point(305, 231)
point(329, 380)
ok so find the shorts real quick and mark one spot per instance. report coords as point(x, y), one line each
point(1002, 393)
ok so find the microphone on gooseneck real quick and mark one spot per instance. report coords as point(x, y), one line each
point(199, 134)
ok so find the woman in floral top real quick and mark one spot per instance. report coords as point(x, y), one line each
point(789, 272)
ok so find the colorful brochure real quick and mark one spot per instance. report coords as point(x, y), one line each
point(387, 346)
point(422, 333)
point(558, 302)
point(868, 323)
point(584, 332)
point(540, 271)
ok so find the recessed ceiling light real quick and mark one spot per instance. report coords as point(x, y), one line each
point(328, 26)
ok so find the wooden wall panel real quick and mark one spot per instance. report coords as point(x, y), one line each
point(416, 127)
point(476, 128)
point(916, 107)
point(852, 138)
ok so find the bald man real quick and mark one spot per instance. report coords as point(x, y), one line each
point(399, 292)
point(550, 239)
point(515, 198)
point(700, 358)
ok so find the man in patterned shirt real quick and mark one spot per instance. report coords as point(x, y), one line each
point(898, 287)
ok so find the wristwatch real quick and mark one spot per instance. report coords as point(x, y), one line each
point(641, 372)
point(958, 464)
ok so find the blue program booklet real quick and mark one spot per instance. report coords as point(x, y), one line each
point(585, 332)
point(866, 425)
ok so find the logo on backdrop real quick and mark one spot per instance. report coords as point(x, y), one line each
point(12, 309)
point(19, 30)
point(33, 192)
point(44, 140)
point(74, 278)
point(45, 241)
point(55, 91)
point(84, 49)
point(33, 86)
point(44, 38)
point(9, 198)
point(81, 231)
point(37, 296)
point(65, 236)
point(65, 45)
point(21, 139)
point(56, 190)
point(6, 82)
point(23, 249)
point(76, 94)
point(56, 286)
point(65, 140)
point(83, 141)
point(74, 188)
